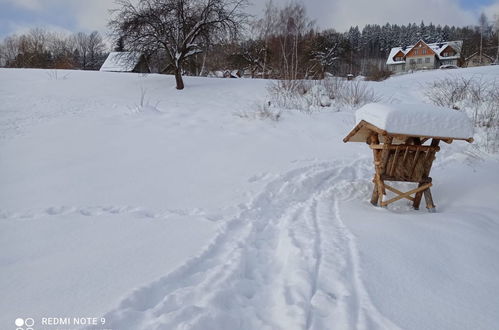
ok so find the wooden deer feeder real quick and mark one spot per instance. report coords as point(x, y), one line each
point(397, 135)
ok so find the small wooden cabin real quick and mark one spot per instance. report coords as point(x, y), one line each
point(400, 152)
point(476, 59)
point(126, 62)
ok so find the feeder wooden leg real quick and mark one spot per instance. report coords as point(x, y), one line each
point(374, 198)
point(381, 192)
point(429, 201)
point(417, 198)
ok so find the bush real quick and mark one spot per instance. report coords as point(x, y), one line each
point(313, 95)
point(376, 74)
point(478, 98)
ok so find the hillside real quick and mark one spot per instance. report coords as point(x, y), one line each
point(161, 209)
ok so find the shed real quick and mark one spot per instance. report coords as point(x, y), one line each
point(476, 59)
point(126, 62)
point(397, 135)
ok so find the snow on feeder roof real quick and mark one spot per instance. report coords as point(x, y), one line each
point(397, 135)
point(414, 120)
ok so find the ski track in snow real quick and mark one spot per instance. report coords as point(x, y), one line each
point(286, 261)
point(139, 212)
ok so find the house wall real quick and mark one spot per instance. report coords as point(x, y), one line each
point(396, 68)
point(444, 61)
point(420, 57)
point(142, 67)
point(421, 62)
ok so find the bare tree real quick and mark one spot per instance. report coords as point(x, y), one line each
point(496, 28)
point(266, 27)
point(178, 27)
point(292, 24)
point(10, 50)
point(482, 20)
point(96, 48)
point(80, 42)
point(88, 49)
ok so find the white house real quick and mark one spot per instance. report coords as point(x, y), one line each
point(424, 56)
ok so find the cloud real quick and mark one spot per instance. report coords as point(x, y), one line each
point(24, 4)
point(341, 14)
point(93, 14)
point(88, 15)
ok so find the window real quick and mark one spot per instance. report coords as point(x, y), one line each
point(423, 52)
point(420, 60)
point(446, 54)
point(415, 52)
point(413, 61)
point(427, 60)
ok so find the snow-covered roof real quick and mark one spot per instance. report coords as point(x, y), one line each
point(422, 120)
point(437, 47)
point(121, 61)
point(478, 54)
point(393, 52)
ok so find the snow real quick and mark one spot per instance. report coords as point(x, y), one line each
point(417, 119)
point(121, 62)
point(124, 198)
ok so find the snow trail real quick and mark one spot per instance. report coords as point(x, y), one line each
point(286, 261)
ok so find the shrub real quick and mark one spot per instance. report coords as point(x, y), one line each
point(313, 95)
point(478, 98)
point(376, 74)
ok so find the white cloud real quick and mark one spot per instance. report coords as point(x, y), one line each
point(93, 14)
point(341, 14)
point(25, 4)
point(338, 14)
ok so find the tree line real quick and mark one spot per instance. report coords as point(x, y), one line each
point(200, 37)
point(40, 48)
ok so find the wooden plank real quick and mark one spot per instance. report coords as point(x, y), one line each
point(363, 124)
point(408, 146)
point(405, 154)
point(392, 178)
point(414, 164)
point(404, 195)
point(398, 192)
point(394, 161)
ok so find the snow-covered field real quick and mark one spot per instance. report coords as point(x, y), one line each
point(184, 211)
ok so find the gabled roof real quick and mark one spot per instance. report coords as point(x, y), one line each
point(437, 47)
point(121, 61)
point(476, 53)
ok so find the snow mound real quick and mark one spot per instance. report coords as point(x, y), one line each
point(417, 119)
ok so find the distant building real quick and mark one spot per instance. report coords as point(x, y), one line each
point(125, 62)
point(424, 56)
point(476, 60)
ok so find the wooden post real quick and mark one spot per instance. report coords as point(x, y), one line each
point(417, 198)
point(383, 160)
point(373, 139)
point(429, 201)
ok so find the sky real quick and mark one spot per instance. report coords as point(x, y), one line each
point(66, 16)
